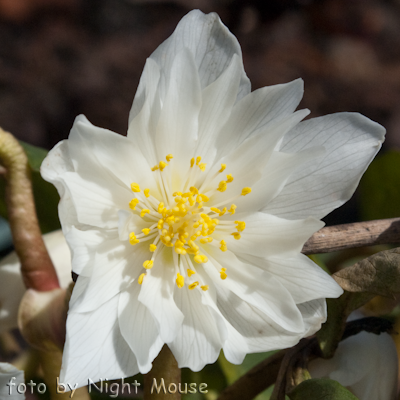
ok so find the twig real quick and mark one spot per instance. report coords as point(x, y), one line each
point(36, 266)
point(358, 234)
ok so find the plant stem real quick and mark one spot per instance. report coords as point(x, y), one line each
point(36, 266)
point(165, 375)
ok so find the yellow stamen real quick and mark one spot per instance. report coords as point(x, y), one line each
point(200, 258)
point(246, 191)
point(222, 186)
point(169, 157)
point(146, 192)
point(146, 231)
point(194, 190)
point(202, 166)
point(198, 159)
point(152, 248)
point(133, 203)
point(223, 246)
point(155, 168)
point(180, 280)
point(191, 163)
point(193, 285)
point(135, 187)
point(232, 209)
point(162, 165)
point(216, 210)
point(229, 178)
point(241, 225)
point(140, 279)
point(190, 272)
point(148, 264)
point(222, 212)
point(144, 212)
point(223, 166)
point(132, 239)
point(236, 235)
point(223, 273)
point(204, 287)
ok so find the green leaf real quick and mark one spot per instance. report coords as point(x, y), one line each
point(35, 155)
point(380, 188)
point(45, 194)
point(321, 389)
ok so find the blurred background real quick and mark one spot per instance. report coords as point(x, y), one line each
point(61, 58)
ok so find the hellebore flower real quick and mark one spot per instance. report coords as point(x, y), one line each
point(366, 364)
point(11, 284)
point(189, 230)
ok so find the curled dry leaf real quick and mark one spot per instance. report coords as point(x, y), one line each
point(378, 274)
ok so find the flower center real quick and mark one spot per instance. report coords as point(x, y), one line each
point(184, 220)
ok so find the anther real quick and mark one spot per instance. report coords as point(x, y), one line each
point(146, 231)
point(200, 258)
point(223, 166)
point(193, 285)
point(132, 239)
point(152, 248)
point(133, 203)
point(180, 280)
point(236, 235)
point(191, 163)
point(169, 157)
point(135, 187)
point(190, 272)
point(204, 287)
point(155, 168)
point(198, 159)
point(148, 264)
point(229, 178)
point(223, 273)
point(246, 191)
point(144, 212)
point(146, 192)
point(162, 165)
point(140, 279)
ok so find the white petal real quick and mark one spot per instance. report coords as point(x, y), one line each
point(115, 158)
point(351, 141)
point(314, 314)
point(267, 235)
point(178, 123)
point(274, 177)
point(114, 265)
point(198, 341)
point(255, 287)
point(299, 275)
point(54, 166)
point(138, 328)
point(256, 110)
point(365, 363)
point(95, 348)
point(12, 289)
point(218, 100)
point(260, 332)
point(211, 44)
point(157, 295)
point(11, 285)
point(10, 378)
point(146, 107)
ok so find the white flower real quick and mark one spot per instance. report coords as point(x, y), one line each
point(366, 364)
point(189, 230)
point(11, 285)
point(10, 379)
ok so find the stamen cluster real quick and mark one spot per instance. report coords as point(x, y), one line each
point(184, 222)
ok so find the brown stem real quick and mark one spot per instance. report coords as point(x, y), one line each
point(164, 379)
point(358, 234)
point(36, 266)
